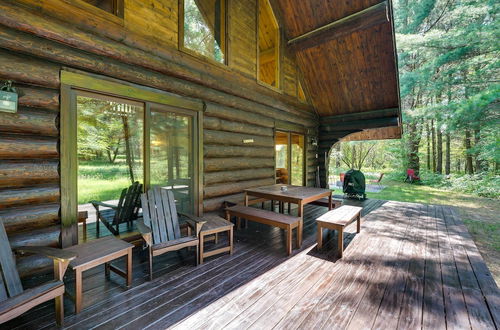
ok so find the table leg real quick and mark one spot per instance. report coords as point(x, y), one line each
point(85, 229)
point(216, 238)
point(201, 247)
point(359, 222)
point(319, 237)
point(78, 291)
point(231, 240)
point(246, 199)
point(129, 268)
point(330, 206)
point(106, 269)
point(289, 207)
point(341, 242)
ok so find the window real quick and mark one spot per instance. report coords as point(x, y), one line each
point(203, 28)
point(268, 49)
point(289, 158)
point(118, 134)
point(114, 7)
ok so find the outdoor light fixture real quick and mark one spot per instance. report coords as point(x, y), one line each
point(248, 141)
point(8, 98)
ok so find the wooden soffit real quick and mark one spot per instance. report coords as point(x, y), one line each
point(346, 53)
point(383, 133)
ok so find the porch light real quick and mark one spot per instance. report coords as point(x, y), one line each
point(8, 98)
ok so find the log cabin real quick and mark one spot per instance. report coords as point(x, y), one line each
point(236, 88)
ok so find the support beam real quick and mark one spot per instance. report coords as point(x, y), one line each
point(367, 18)
point(389, 112)
point(359, 124)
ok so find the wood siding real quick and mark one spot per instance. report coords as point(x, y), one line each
point(38, 39)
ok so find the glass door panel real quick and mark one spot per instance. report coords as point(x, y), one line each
point(110, 140)
point(282, 164)
point(297, 158)
point(171, 154)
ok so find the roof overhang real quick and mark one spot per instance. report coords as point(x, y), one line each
point(347, 56)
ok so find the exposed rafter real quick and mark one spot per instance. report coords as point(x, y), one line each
point(390, 112)
point(364, 19)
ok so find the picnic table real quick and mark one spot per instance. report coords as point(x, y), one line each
point(294, 194)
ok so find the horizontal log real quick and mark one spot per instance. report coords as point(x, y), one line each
point(26, 70)
point(38, 98)
point(224, 112)
point(215, 204)
point(48, 236)
point(217, 124)
point(125, 49)
point(225, 164)
point(236, 139)
point(235, 187)
point(34, 265)
point(19, 219)
point(146, 77)
point(25, 173)
point(217, 151)
point(30, 121)
point(328, 136)
point(25, 196)
point(211, 178)
point(22, 147)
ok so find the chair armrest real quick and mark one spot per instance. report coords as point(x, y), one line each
point(193, 221)
point(96, 204)
point(145, 232)
point(52, 253)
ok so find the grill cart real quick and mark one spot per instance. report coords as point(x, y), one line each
point(354, 185)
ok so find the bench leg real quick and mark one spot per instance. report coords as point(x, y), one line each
point(59, 301)
point(289, 240)
point(202, 237)
point(238, 223)
point(359, 222)
point(340, 242)
point(231, 240)
point(319, 237)
point(299, 233)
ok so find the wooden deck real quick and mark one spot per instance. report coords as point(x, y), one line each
point(412, 266)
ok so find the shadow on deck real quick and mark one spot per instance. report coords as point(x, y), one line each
point(412, 265)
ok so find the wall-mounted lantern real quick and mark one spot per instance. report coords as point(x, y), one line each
point(8, 97)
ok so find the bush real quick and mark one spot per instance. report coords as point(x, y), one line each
point(485, 185)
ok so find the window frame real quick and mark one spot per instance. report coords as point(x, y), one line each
point(73, 82)
point(278, 52)
point(191, 52)
point(117, 17)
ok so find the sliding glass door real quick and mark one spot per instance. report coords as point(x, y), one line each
point(289, 155)
point(171, 155)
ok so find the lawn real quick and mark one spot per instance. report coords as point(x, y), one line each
point(480, 215)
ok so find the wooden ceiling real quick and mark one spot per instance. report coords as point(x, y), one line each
point(345, 50)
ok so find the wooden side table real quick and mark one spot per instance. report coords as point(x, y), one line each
point(337, 219)
point(214, 226)
point(95, 253)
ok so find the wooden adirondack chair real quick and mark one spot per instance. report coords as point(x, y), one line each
point(125, 211)
point(14, 300)
point(160, 228)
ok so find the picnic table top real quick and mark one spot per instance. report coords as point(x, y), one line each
point(293, 193)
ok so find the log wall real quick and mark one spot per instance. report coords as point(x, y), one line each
point(37, 41)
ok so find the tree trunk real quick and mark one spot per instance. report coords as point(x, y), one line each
point(128, 152)
point(481, 165)
point(428, 147)
point(439, 168)
point(413, 143)
point(447, 166)
point(433, 132)
point(468, 154)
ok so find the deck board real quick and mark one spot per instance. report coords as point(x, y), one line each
point(412, 266)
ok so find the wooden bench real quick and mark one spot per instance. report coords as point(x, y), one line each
point(324, 202)
point(282, 221)
point(337, 219)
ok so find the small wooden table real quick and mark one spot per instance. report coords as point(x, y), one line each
point(294, 194)
point(337, 219)
point(215, 225)
point(95, 253)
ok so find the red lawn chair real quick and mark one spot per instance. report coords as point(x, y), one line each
point(410, 176)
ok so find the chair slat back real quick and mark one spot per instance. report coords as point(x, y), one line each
point(128, 205)
point(160, 214)
point(10, 283)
